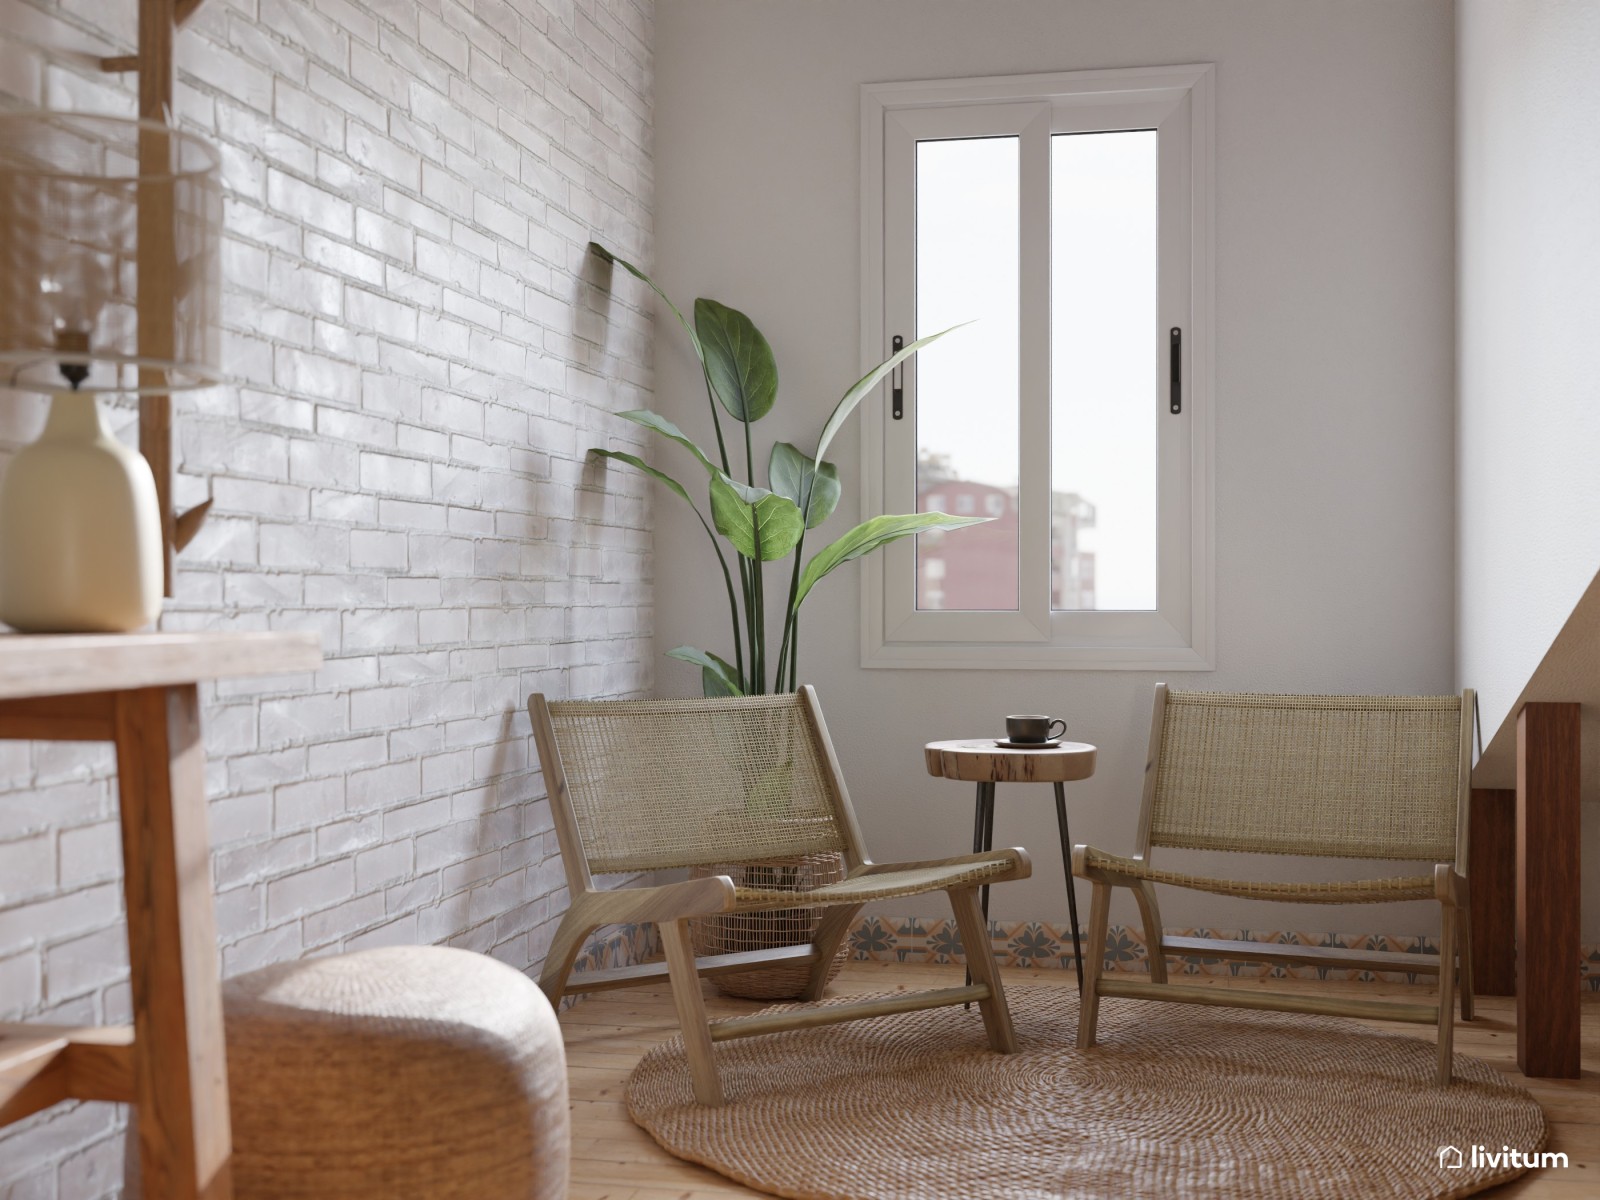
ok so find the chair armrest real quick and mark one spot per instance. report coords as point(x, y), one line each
point(1023, 869)
point(1082, 870)
point(669, 902)
point(1449, 885)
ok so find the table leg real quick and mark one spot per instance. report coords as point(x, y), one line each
point(180, 1068)
point(982, 840)
point(1066, 868)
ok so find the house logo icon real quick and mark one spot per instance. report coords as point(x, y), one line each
point(1450, 1157)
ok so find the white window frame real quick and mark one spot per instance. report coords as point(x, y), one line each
point(1179, 635)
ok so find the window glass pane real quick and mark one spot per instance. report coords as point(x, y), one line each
point(1105, 364)
point(968, 212)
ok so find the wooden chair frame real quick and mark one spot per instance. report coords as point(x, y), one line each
point(1453, 963)
point(671, 906)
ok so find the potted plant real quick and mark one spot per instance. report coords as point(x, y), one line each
point(764, 525)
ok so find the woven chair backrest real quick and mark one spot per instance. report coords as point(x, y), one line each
point(678, 783)
point(1338, 776)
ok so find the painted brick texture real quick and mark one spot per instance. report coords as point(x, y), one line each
point(422, 352)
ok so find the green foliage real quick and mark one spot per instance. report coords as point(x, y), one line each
point(763, 525)
point(815, 490)
point(738, 360)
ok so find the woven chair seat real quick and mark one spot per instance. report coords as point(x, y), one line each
point(1410, 887)
point(885, 885)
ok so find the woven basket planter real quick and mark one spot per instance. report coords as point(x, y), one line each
point(735, 933)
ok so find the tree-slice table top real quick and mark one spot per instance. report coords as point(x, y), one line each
point(980, 760)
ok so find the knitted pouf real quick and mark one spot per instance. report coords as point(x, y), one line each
point(406, 1073)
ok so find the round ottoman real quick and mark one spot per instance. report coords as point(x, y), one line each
point(405, 1073)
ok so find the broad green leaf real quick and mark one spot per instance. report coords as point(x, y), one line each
point(868, 536)
point(866, 383)
point(712, 669)
point(635, 461)
point(738, 359)
point(742, 513)
point(658, 423)
point(699, 350)
point(816, 494)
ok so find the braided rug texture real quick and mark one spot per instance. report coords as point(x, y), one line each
point(1176, 1103)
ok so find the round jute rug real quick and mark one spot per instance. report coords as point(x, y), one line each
point(1177, 1102)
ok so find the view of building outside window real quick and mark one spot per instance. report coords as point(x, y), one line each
point(976, 568)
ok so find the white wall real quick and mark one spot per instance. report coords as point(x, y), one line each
point(1335, 560)
point(1528, 486)
point(425, 352)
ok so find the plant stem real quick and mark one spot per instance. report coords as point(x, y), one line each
point(716, 421)
point(790, 617)
point(794, 655)
point(749, 618)
point(758, 648)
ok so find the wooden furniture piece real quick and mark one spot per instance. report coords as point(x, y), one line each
point(980, 761)
point(139, 691)
point(651, 785)
point(155, 63)
point(1492, 867)
point(1548, 779)
point(1533, 772)
point(1382, 777)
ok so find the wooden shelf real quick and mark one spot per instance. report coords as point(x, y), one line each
point(68, 664)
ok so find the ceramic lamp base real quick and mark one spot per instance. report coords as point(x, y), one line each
point(80, 530)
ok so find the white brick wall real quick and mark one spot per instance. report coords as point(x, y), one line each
point(422, 353)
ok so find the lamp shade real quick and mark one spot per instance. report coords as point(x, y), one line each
point(78, 193)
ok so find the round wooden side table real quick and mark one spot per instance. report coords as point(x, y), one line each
point(981, 761)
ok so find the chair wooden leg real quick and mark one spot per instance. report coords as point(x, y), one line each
point(1089, 1002)
point(1464, 953)
point(1447, 984)
point(832, 929)
point(558, 960)
point(691, 1011)
point(1150, 914)
point(980, 961)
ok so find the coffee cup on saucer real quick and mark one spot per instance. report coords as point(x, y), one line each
point(1033, 728)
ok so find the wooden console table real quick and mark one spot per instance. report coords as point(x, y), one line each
point(139, 691)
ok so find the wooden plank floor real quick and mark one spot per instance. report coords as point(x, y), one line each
point(613, 1159)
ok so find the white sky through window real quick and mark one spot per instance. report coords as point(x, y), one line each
point(1105, 351)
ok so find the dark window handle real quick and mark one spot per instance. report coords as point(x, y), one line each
point(897, 382)
point(1176, 356)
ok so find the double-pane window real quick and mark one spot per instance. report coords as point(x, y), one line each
point(1063, 223)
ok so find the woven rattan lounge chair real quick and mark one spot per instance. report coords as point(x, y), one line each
point(1371, 777)
point(640, 786)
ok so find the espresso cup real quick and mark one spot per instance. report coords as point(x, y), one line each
point(1033, 728)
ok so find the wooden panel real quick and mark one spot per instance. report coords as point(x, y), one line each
point(1378, 1010)
point(1305, 956)
point(834, 1014)
point(85, 717)
point(42, 1065)
point(181, 1068)
point(1548, 775)
point(157, 259)
point(1492, 870)
point(35, 666)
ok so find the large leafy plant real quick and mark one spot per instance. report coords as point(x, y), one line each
point(763, 524)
